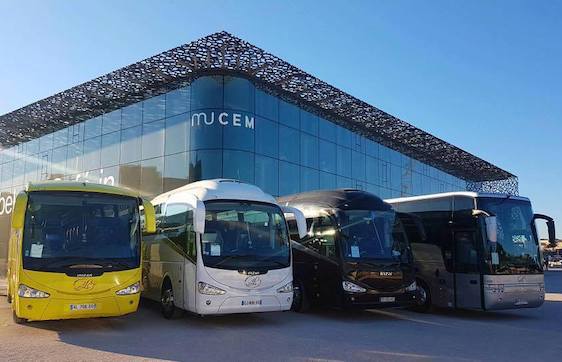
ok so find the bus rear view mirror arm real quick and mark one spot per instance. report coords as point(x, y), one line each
point(299, 218)
point(550, 225)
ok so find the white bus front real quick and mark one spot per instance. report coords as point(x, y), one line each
point(243, 259)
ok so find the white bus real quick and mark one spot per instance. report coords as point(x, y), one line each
point(221, 246)
point(480, 251)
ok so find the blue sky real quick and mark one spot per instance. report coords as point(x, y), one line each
point(483, 75)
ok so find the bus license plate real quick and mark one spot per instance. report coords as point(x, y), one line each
point(388, 299)
point(251, 302)
point(78, 307)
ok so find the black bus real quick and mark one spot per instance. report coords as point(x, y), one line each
point(356, 253)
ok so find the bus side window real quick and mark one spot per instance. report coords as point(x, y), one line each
point(323, 238)
point(191, 239)
point(174, 225)
point(293, 230)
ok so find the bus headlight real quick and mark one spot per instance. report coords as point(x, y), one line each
point(209, 289)
point(26, 292)
point(131, 289)
point(412, 287)
point(287, 288)
point(352, 287)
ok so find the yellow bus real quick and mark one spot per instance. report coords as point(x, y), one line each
point(75, 251)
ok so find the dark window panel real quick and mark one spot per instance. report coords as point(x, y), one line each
point(289, 178)
point(344, 162)
point(344, 182)
point(111, 122)
point(110, 149)
point(177, 101)
point(238, 165)
point(131, 145)
point(206, 131)
point(131, 116)
point(237, 137)
point(327, 130)
point(207, 92)
point(328, 181)
point(309, 151)
point(372, 149)
point(238, 94)
point(358, 166)
point(309, 123)
point(206, 164)
point(176, 171)
point(151, 177)
point(177, 134)
point(344, 137)
point(267, 174)
point(289, 114)
point(154, 109)
point(327, 156)
point(267, 105)
point(309, 179)
point(153, 139)
point(289, 144)
point(267, 137)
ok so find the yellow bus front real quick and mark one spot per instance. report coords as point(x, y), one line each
point(76, 254)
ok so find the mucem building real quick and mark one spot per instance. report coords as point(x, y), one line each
point(221, 107)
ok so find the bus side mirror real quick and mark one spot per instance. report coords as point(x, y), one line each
point(491, 228)
point(149, 217)
point(199, 217)
point(549, 225)
point(18, 215)
point(299, 218)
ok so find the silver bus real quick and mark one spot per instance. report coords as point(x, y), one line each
point(480, 251)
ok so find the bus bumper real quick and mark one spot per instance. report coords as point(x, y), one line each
point(254, 303)
point(54, 308)
point(379, 300)
point(513, 291)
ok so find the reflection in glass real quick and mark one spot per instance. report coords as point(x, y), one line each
point(289, 144)
point(328, 181)
point(309, 150)
point(131, 144)
point(176, 171)
point(153, 139)
point(151, 177)
point(177, 134)
point(177, 101)
point(111, 122)
point(207, 92)
point(309, 123)
point(110, 144)
point(309, 179)
point(327, 156)
point(205, 135)
point(92, 127)
point(92, 149)
point(131, 115)
point(267, 105)
point(327, 130)
point(130, 176)
point(154, 109)
point(289, 178)
point(344, 161)
point(238, 165)
point(238, 138)
point(238, 94)
point(267, 137)
point(205, 164)
point(289, 114)
point(267, 174)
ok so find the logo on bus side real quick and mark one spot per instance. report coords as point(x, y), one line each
point(84, 284)
point(385, 274)
point(252, 281)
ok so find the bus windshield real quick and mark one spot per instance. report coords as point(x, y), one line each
point(79, 230)
point(517, 247)
point(245, 235)
point(367, 234)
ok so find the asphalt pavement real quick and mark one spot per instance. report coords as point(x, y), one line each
point(323, 335)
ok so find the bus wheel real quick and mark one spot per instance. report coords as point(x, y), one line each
point(18, 320)
point(424, 298)
point(9, 297)
point(300, 301)
point(167, 305)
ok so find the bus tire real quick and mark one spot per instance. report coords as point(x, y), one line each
point(167, 306)
point(424, 298)
point(301, 303)
point(9, 297)
point(18, 320)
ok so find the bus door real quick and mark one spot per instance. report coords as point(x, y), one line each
point(468, 288)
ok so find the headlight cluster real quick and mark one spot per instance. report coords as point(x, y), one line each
point(495, 288)
point(131, 289)
point(209, 289)
point(287, 288)
point(26, 292)
point(352, 287)
point(412, 287)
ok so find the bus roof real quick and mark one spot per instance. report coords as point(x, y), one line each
point(79, 187)
point(345, 199)
point(452, 194)
point(219, 189)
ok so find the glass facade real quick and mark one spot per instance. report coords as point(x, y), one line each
point(219, 126)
